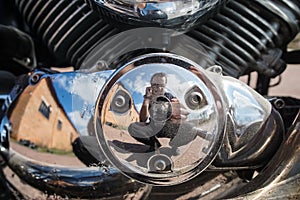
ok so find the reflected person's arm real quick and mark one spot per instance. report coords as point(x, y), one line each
point(144, 113)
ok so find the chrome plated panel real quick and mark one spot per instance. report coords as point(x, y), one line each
point(53, 111)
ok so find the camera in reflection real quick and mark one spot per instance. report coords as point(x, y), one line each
point(160, 109)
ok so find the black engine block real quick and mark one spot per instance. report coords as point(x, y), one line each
point(244, 36)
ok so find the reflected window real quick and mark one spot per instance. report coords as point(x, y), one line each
point(59, 125)
point(45, 109)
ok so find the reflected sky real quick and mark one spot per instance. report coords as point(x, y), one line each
point(78, 92)
point(179, 80)
point(244, 106)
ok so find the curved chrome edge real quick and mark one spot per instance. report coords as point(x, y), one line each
point(280, 177)
point(92, 182)
point(258, 150)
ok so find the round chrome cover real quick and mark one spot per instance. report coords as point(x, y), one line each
point(180, 15)
point(180, 134)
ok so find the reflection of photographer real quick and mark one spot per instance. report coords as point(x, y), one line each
point(157, 88)
point(159, 114)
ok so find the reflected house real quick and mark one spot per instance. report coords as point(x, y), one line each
point(39, 117)
point(120, 110)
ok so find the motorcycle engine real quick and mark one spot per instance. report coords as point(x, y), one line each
point(223, 124)
point(241, 36)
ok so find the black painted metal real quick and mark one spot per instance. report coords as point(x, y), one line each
point(245, 35)
point(250, 35)
point(69, 28)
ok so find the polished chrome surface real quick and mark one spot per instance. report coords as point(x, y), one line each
point(158, 10)
point(5, 130)
point(3, 96)
point(186, 119)
point(65, 98)
point(281, 176)
point(204, 100)
point(77, 93)
point(99, 109)
point(253, 149)
point(245, 107)
point(253, 130)
point(170, 13)
point(93, 182)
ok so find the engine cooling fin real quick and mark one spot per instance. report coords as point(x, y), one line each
point(69, 28)
point(250, 35)
point(244, 36)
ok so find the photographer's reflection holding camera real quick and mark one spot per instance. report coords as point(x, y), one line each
point(160, 114)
